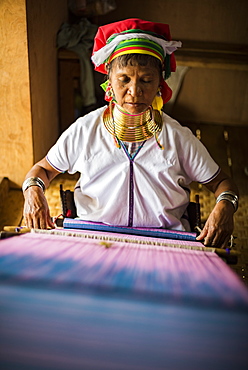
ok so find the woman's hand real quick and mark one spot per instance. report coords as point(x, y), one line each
point(219, 226)
point(36, 212)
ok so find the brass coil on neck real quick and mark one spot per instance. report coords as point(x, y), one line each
point(132, 127)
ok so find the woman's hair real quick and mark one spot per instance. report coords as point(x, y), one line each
point(136, 59)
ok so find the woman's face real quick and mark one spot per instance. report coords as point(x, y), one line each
point(134, 86)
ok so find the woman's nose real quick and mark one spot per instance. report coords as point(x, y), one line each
point(135, 90)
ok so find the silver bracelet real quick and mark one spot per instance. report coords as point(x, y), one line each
point(230, 196)
point(33, 181)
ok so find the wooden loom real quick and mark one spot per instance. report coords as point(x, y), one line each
point(102, 300)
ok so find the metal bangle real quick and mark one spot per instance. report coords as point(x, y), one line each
point(230, 193)
point(33, 181)
point(230, 197)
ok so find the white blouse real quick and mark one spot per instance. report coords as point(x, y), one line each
point(150, 189)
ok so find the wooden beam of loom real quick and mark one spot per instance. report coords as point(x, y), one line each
point(230, 255)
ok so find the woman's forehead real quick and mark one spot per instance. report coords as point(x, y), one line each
point(134, 69)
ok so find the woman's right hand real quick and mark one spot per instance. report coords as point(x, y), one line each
point(36, 211)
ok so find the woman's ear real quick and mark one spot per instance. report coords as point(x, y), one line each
point(107, 68)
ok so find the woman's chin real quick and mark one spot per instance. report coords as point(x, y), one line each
point(135, 108)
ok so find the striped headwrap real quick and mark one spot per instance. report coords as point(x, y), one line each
point(138, 46)
point(135, 36)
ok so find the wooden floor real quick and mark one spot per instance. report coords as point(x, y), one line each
point(227, 145)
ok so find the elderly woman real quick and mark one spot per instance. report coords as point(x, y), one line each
point(136, 163)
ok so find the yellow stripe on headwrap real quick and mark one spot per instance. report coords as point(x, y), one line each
point(137, 46)
point(134, 51)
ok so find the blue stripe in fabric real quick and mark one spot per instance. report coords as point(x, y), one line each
point(211, 178)
point(155, 233)
point(56, 168)
point(130, 218)
point(131, 158)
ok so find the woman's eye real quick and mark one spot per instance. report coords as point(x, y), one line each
point(124, 79)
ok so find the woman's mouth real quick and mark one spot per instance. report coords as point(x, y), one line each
point(134, 105)
point(135, 108)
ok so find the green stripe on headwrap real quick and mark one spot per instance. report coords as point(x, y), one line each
point(135, 31)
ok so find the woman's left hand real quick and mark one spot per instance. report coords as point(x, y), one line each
point(219, 226)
